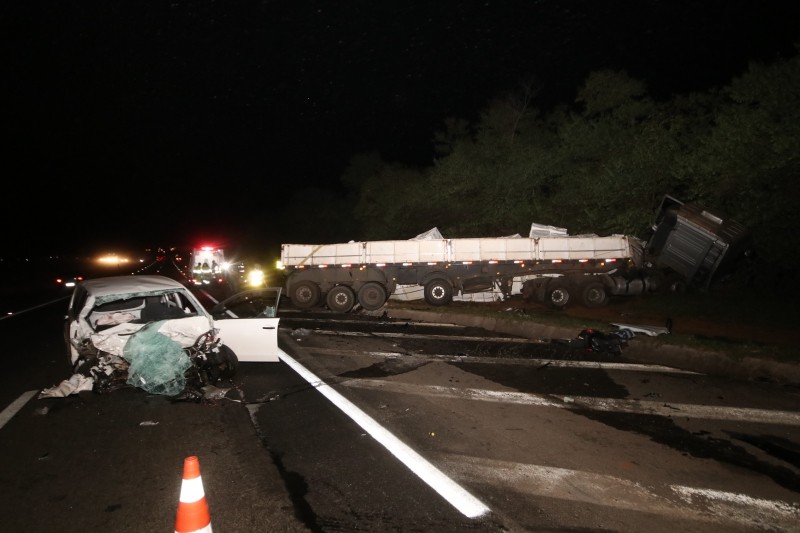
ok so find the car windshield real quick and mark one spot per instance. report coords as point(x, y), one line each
point(141, 308)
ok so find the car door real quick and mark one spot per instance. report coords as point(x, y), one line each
point(248, 324)
point(251, 339)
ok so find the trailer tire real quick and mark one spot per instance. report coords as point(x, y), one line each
point(372, 296)
point(438, 292)
point(305, 294)
point(558, 294)
point(340, 299)
point(533, 290)
point(594, 295)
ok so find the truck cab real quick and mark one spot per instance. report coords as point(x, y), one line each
point(697, 244)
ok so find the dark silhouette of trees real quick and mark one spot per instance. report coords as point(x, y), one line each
point(602, 165)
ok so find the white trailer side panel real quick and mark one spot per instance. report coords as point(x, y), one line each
point(322, 254)
point(566, 248)
point(494, 249)
point(465, 249)
point(433, 251)
point(390, 251)
point(521, 249)
point(542, 248)
point(350, 253)
point(422, 251)
point(457, 250)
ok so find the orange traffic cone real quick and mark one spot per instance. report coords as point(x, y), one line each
point(193, 516)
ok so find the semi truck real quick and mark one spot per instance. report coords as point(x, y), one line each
point(687, 246)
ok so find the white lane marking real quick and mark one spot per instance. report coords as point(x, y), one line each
point(598, 365)
point(400, 323)
point(17, 313)
point(518, 340)
point(9, 412)
point(741, 507)
point(208, 295)
point(610, 491)
point(684, 410)
point(456, 495)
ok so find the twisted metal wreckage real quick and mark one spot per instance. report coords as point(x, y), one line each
point(151, 332)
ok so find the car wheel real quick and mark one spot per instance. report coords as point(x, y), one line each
point(225, 363)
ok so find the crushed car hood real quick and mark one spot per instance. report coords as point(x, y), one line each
point(184, 331)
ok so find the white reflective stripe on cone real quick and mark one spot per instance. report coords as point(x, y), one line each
point(192, 490)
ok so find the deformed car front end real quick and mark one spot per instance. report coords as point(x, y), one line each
point(153, 333)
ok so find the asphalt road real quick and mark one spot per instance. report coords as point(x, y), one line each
point(546, 439)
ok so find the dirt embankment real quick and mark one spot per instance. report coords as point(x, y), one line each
point(694, 326)
point(630, 311)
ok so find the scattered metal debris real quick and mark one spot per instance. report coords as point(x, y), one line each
point(651, 331)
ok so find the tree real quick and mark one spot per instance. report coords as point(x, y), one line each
point(748, 164)
point(614, 157)
point(603, 166)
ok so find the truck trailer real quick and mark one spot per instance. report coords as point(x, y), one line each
point(688, 247)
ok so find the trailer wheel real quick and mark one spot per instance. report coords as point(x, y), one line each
point(305, 294)
point(341, 299)
point(533, 290)
point(558, 294)
point(372, 296)
point(438, 292)
point(594, 295)
point(528, 291)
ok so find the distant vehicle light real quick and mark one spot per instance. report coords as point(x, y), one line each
point(256, 278)
point(112, 260)
point(69, 282)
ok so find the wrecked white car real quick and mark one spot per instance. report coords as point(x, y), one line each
point(151, 332)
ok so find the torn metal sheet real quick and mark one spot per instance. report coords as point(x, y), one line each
point(73, 385)
point(652, 331)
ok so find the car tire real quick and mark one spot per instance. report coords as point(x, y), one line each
point(222, 364)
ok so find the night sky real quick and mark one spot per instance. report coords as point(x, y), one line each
point(158, 123)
